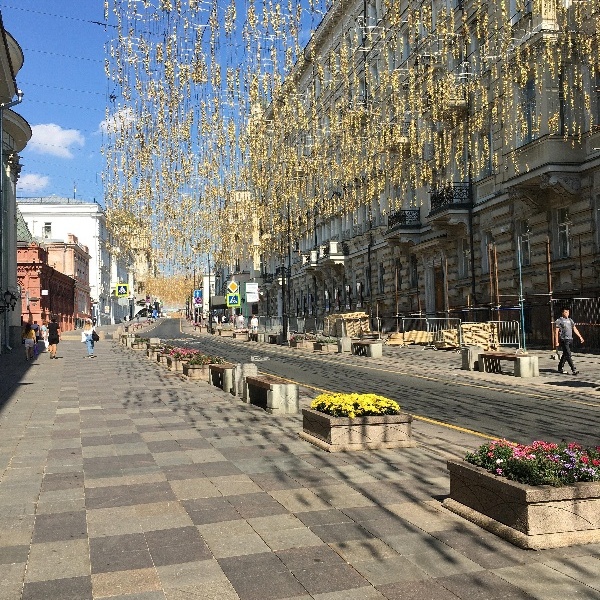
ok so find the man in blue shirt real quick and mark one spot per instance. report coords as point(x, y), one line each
point(564, 330)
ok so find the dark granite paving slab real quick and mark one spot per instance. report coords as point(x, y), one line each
point(328, 578)
point(256, 505)
point(176, 472)
point(76, 588)
point(417, 590)
point(62, 481)
point(14, 554)
point(60, 526)
point(177, 546)
point(119, 553)
point(219, 469)
point(482, 586)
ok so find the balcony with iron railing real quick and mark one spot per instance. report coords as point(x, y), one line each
point(404, 219)
point(454, 196)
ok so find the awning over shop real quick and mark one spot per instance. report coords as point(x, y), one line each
point(218, 302)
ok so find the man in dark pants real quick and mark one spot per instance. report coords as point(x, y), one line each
point(564, 330)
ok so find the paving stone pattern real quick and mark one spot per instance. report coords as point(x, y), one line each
point(121, 480)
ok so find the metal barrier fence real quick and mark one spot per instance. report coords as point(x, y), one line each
point(445, 330)
point(270, 324)
point(509, 333)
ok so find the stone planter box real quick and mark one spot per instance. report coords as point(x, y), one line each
point(151, 353)
point(138, 346)
point(241, 335)
point(201, 372)
point(301, 344)
point(174, 364)
point(341, 434)
point(326, 347)
point(535, 517)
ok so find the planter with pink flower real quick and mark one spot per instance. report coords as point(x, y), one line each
point(177, 357)
point(541, 495)
point(198, 366)
point(343, 422)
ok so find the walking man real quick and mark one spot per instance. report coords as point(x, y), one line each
point(564, 330)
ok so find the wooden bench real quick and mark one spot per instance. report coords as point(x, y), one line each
point(223, 376)
point(241, 334)
point(225, 331)
point(273, 338)
point(372, 349)
point(525, 365)
point(273, 394)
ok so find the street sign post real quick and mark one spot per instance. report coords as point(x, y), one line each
point(233, 300)
point(198, 297)
point(122, 290)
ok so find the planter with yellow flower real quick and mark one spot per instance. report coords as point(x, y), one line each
point(342, 422)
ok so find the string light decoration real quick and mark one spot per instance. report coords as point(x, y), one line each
point(231, 116)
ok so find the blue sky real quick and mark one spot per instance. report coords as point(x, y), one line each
point(65, 91)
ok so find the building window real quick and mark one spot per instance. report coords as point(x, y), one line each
point(486, 241)
point(381, 278)
point(414, 271)
point(523, 232)
point(596, 100)
point(463, 257)
point(47, 231)
point(527, 118)
point(563, 223)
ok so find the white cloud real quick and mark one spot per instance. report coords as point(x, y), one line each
point(32, 182)
point(121, 119)
point(52, 139)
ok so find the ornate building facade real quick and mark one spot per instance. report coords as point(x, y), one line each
point(436, 158)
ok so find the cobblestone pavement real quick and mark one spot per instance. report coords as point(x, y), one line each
point(122, 480)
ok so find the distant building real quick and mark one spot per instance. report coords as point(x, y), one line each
point(14, 135)
point(53, 219)
point(45, 291)
point(72, 258)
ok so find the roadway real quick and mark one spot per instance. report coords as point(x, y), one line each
point(455, 398)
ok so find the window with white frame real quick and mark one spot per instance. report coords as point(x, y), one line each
point(596, 100)
point(464, 254)
point(47, 231)
point(523, 231)
point(414, 271)
point(526, 120)
point(487, 240)
point(563, 224)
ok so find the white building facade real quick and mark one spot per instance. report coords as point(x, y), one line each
point(14, 135)
point(53, 218)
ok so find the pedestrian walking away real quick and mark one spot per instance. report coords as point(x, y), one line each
point(53, 335)
point(87, 337)
point(564, 330)
point(29, 341)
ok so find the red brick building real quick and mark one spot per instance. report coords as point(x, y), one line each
point(44, 290)
point(73, 259)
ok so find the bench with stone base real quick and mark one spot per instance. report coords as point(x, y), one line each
point(225, 331)
point(241, 334)
point(223, 376)
point(364, 348)
point(525, 365)
point(275, 395)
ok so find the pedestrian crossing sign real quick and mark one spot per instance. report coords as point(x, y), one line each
point(233, 300)
point(122, 290)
